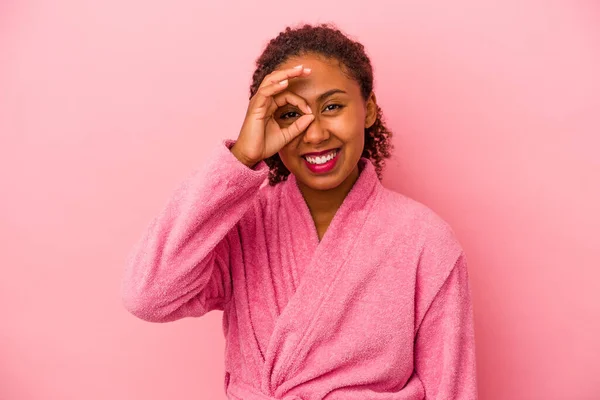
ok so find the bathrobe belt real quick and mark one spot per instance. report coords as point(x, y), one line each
point(242, 391)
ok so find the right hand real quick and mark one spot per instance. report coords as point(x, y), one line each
point(261, 136)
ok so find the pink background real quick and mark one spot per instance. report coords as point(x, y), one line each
point(106, 105)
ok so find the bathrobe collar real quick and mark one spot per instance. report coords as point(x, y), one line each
point(365, 184)
point(319, 267)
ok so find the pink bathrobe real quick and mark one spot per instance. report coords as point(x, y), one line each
point(379, 309)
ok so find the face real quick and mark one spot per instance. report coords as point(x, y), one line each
point(341, 116)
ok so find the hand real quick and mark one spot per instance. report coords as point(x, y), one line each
point(261, 136)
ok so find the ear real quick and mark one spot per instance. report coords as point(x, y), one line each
point(371, 115)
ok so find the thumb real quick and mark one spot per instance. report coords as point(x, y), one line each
point(297, 127)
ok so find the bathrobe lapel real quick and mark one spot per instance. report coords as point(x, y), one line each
point(317, 268)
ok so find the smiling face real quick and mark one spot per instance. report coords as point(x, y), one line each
point(341, 116)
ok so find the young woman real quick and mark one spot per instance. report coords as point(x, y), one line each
point(332, 286)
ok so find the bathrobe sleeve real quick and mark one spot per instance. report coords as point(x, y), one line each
point(180, 266)
point(445, 343)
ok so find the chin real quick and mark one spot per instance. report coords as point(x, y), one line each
point(324, 182)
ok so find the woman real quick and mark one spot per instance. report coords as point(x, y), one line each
point(332, 286)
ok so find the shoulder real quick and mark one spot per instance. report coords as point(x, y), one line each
point(420, 232)
point(432, 242)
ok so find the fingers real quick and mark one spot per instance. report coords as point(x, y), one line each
point(262, 100)
point(272, 89)
point(288, 97)
point(281, 75)
point(299, 126)
point(280, 97)
point(275, 83)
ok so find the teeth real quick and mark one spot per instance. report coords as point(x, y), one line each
point(321, 159)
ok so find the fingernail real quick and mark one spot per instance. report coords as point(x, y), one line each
point(309, 110)
point(298, 66)
point(283, 82)
point(307, 69)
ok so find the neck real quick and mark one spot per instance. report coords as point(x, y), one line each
point(323, 204)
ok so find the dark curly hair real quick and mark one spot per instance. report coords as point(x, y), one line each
point(328, 41)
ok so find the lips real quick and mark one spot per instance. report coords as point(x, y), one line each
point(320, 152)
point(324, 164)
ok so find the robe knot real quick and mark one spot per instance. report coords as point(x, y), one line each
point(242, 391)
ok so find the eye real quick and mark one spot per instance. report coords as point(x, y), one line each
point(290, 114)
point(332, 107)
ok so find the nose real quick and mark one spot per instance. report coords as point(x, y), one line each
point(315, 133)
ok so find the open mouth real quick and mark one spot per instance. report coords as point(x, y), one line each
point(323, 163)
point(323, 158)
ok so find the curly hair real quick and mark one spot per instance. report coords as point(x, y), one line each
point(330, 42)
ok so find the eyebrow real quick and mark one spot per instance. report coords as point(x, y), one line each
point(328, 93)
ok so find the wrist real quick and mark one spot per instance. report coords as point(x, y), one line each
point(244, 160)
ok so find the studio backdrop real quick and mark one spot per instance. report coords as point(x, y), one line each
point(106, 106)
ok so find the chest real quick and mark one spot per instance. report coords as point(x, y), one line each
point(363, 288)
point(301, 300)
point(299, 307)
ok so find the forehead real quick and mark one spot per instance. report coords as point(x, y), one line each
point(326, 74)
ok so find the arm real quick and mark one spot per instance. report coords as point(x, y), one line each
point(445, 342)
point(180, 266)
